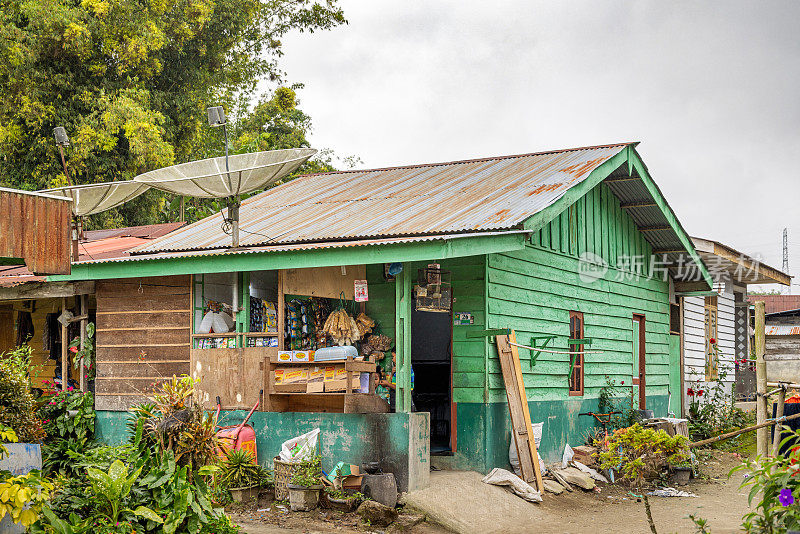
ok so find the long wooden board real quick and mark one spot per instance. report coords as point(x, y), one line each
point(521, 426)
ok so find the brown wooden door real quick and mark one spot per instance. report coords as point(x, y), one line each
point(639, 358)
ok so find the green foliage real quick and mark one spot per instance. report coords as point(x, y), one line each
point(641, 454)
point(712, 412)
point(68, 415)
point(17, 405)
point(775, 488)
point(87, 354)
point(58, 456)
point(308, 472)
point(615, 397)
point(130, 81)
point(239, 470)
point(22, 497)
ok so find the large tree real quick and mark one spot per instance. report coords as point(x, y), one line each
point(130, 80)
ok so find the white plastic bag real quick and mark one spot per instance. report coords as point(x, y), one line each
point(501, 477)
point(300, 448)
point(513, 458)
point(567, 457)
point(206, 323)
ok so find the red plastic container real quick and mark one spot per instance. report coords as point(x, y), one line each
point(238, 437)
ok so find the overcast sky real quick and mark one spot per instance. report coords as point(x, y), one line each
point(710, 89)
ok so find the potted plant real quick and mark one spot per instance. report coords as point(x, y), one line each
point(338, 499)
point(241, 475)
point(305, 485)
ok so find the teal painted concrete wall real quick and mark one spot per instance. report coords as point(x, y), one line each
point(399, 441)
point(484, 430)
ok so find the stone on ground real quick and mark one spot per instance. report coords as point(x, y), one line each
point(577, 477)
point(406, 522)
point(553, 487)
point(376, 513)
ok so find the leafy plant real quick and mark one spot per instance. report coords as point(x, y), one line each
point(17, 405)
point(58, 457)
point(307, 472)
point(68, 414)
point(21, 497)
point(615, 397)
point(712, 411)
point(641, 454)
point(112, 488)
point(239, 470)
point(87, 354)
point(775, 484)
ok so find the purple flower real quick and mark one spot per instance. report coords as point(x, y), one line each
point(786, 498)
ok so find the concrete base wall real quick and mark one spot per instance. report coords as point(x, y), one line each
point(484, 431)
point(399, 441)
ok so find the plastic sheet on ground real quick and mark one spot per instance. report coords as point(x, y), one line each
point(501, 477)
point(671, 492)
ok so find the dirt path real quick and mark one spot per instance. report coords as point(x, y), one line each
point(481, 508)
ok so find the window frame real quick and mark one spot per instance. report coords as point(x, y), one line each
point(711, 330)
point(577, 365)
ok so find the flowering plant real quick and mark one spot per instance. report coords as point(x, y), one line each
point(777, 482)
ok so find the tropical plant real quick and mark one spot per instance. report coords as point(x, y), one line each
point(85, 355)
point(712, 410)
point(21, 497)
point(58, 456)
point(775, 484)
point(641, 454)
point(238, 469)
point(17, 405)
point(68, 414)
point(308, 472)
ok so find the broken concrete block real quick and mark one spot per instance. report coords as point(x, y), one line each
point(564, 484)
point(585, 455)
point(381, 488)
point(553, 487)
point(376, 513)
point(576, 477)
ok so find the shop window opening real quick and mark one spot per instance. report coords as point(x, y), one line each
point(576, 359)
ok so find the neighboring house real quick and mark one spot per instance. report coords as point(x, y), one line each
point(722, 316)
point(782, 346)
point(777, 303)
point(574, 244)
point(29, 304)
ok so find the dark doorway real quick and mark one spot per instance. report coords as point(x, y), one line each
point(431, 349)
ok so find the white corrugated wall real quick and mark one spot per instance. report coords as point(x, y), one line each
point(694, 337)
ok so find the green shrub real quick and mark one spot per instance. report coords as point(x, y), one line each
point(238, 470)
point(68, 415)
point(17, 405)
point(308, 472)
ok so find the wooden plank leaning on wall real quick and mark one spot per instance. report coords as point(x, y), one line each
point(143, 337)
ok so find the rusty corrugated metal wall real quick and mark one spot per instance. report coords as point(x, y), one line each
point(36, 229)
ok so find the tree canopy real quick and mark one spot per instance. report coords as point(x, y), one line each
point(130, 80)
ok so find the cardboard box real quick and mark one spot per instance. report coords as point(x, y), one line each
point(306, 356)
point(341, 385)
point(330, 373)
point(315, 387)
point(295, 375)
point(290, 379)
point(285, 355)
point(316, 380)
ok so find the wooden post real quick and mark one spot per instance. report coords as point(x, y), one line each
point(402, 344)
point(762, 435)
point(84, 321)
point(776, 440)
point(64, 352)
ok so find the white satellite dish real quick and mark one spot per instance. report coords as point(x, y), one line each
point(228, 177)
point(208, 178)
point(89, 199)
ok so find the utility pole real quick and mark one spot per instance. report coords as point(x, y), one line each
point(785, 266)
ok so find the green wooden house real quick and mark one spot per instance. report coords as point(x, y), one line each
point(571, 244)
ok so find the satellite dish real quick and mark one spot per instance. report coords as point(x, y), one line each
point(89, 199)
point(227, 177)
point(208, 178)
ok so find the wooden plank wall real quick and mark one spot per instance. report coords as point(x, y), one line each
point(143, 336)
point(695, 335)
point(533, 291)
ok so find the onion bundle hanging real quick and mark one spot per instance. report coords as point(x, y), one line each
point(342, 328)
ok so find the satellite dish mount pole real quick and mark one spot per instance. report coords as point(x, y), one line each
point(216, 118)
point(62, 140)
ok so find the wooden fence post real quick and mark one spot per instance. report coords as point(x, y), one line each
point(762, 434)
point(776, 440)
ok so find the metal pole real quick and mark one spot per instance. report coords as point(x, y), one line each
point(64, 343)
point(64, 164)
point(762, 435)
point(233, 202)
point(776, 440)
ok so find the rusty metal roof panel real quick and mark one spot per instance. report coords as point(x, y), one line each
point(298, 246)
point(783, 330)
point(462, 196)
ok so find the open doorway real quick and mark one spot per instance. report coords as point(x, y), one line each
point(431, 352)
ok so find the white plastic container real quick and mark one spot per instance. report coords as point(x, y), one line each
point(329, 354)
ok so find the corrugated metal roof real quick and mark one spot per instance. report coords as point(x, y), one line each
point(297, 246)
point(783, 330)
point(441, 198)
point(107, 244)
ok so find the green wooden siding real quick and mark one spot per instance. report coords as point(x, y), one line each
point(533, 290)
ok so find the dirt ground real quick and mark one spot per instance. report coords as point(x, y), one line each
point(609, 508)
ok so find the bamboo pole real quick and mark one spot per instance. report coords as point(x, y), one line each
point(735, 433)
point(776, 440)
point(762, 436)
point(84, 321)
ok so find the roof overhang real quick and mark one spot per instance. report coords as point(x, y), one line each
point(301, 255)
point(725, 263)
point(46, 290)
point(629, 180)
